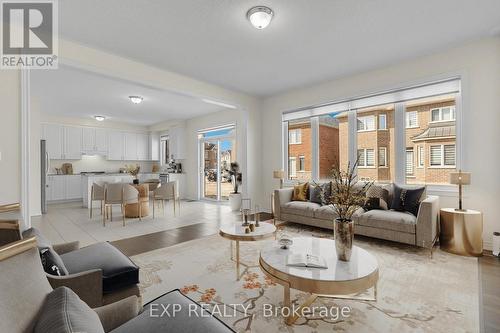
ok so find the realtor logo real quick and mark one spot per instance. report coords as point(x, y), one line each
point(29, 34)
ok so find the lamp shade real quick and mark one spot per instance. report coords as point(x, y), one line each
point(460, 178)
point(278, 174)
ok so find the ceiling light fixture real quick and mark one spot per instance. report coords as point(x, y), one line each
point(99, 118)
point(260, 16)
point(136, 99)
point(209, 101)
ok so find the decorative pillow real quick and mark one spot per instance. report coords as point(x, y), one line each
point(300, 192)
point(372, 203)
point(52, 262)
point(315, 192)
point(407, 199)
point(382, 194)
point(64, 312)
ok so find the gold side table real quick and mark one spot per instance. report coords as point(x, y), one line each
point(461, 232)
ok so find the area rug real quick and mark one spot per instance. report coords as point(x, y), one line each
point(415, 293)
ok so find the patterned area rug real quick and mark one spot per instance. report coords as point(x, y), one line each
point(415, 293)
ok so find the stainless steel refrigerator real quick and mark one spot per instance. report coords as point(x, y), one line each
point(44, 169)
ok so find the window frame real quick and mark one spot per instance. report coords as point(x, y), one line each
point(298, 136)
point(442, 164)
point(407, 122)
point(408, 150)
point(302, 163)
point(384, 116)
point(420, 157)
point(440, 113)
point(360, 119)
point(365, 158)
point(294, 159)
point(384, 149)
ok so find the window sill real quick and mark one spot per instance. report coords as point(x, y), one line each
point(366, 167)
point(442, 167)
point(410, 127)
point(369, 130)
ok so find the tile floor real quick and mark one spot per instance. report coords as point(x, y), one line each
point(70, 221)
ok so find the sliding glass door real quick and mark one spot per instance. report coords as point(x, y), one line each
point(217, 148)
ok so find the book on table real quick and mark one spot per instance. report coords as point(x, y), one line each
point(306, 260)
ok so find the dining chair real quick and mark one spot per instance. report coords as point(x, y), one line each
point(113, 195)
point(96, 194)
point(131, 195)
point(167, 191)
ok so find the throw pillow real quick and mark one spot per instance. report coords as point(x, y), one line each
point(407, 199)
point(372, 203)
point(300, 192)
point(64, 312)
point(315, 192)
point(377, 191)
point(52, 262)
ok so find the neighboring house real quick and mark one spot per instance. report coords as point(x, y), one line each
point(430, 142)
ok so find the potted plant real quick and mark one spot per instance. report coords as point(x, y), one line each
point(346, 196)
point(134, 171)
point(236, 177)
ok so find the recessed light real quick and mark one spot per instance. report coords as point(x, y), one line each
point(260, 16)
point(225, 105)
point(99, 118)
point(136, 99)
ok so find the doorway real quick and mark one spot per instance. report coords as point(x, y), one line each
point(217, 150)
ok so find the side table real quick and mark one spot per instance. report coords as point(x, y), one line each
point(461, 232)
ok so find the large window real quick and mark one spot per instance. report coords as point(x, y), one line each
point(406, 135)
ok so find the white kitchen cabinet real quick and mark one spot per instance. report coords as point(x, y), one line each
point(130, 146)
point(154, 146)
point(88, 139)
point(177, 142)
point(57, 188)
point(116, 146)
point(142, 147)
point(72, 143)
point(101, 140)
point(73, 186)
point(53, 135)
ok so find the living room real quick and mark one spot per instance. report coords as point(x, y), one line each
point(243, 107)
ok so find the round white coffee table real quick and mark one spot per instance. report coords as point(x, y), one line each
point(236, 232)
point(339, 280)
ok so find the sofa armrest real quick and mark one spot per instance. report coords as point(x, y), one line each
point(427, 222)
point(87, 285)
point(118, 313)
point(281, 197)
point(66, 247)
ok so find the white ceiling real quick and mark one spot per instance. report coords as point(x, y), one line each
point(309, 41)
point(75, 93)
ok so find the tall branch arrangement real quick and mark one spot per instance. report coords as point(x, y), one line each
point(347, 193)
point(236, 176)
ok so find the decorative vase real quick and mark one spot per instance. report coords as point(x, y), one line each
point(344, 235)
point(235, 201)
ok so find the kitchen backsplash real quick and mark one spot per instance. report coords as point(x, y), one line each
point(98, 163)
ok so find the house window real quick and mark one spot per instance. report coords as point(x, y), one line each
point(411, 119)
point(295, 136)
point(443, 156)
point(366, 158)
point(382, 156)
point(409, 161)
point(366, 123)
point(421, 156)
point(302, 163)
point(292, 167)
point(382, 122)
point(443, 114)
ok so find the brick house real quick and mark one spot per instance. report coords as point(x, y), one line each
point(430, 142)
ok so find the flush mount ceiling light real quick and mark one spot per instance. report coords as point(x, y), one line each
point(136, 99)
point(225, 105)
point(99, 118)
point(260, 16)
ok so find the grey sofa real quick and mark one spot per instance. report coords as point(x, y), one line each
point(28, 304)
point(402, 227)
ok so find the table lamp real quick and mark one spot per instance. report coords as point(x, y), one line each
point(460, 178)
point(279, 174)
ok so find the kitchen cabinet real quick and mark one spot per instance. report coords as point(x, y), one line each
point(94, 141)
point(130, 146)
point(154, 146)
point(116, 146)
point(63, 187)
point(53, 135)
point(177, 142)
point(72, 143)
point(142, 147)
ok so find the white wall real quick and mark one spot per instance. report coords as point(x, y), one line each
point(10, 137)
point(479, 65)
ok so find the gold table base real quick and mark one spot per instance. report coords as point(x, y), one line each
point(461, 232)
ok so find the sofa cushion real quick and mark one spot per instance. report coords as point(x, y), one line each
point(325, 213)
point(315, 192)
point(407, 199)
point(118, 271)
point(191, 317)
point(300, 192)
point(380, 193)
point(63, 311)
point(388, 219)
point(302, 208)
